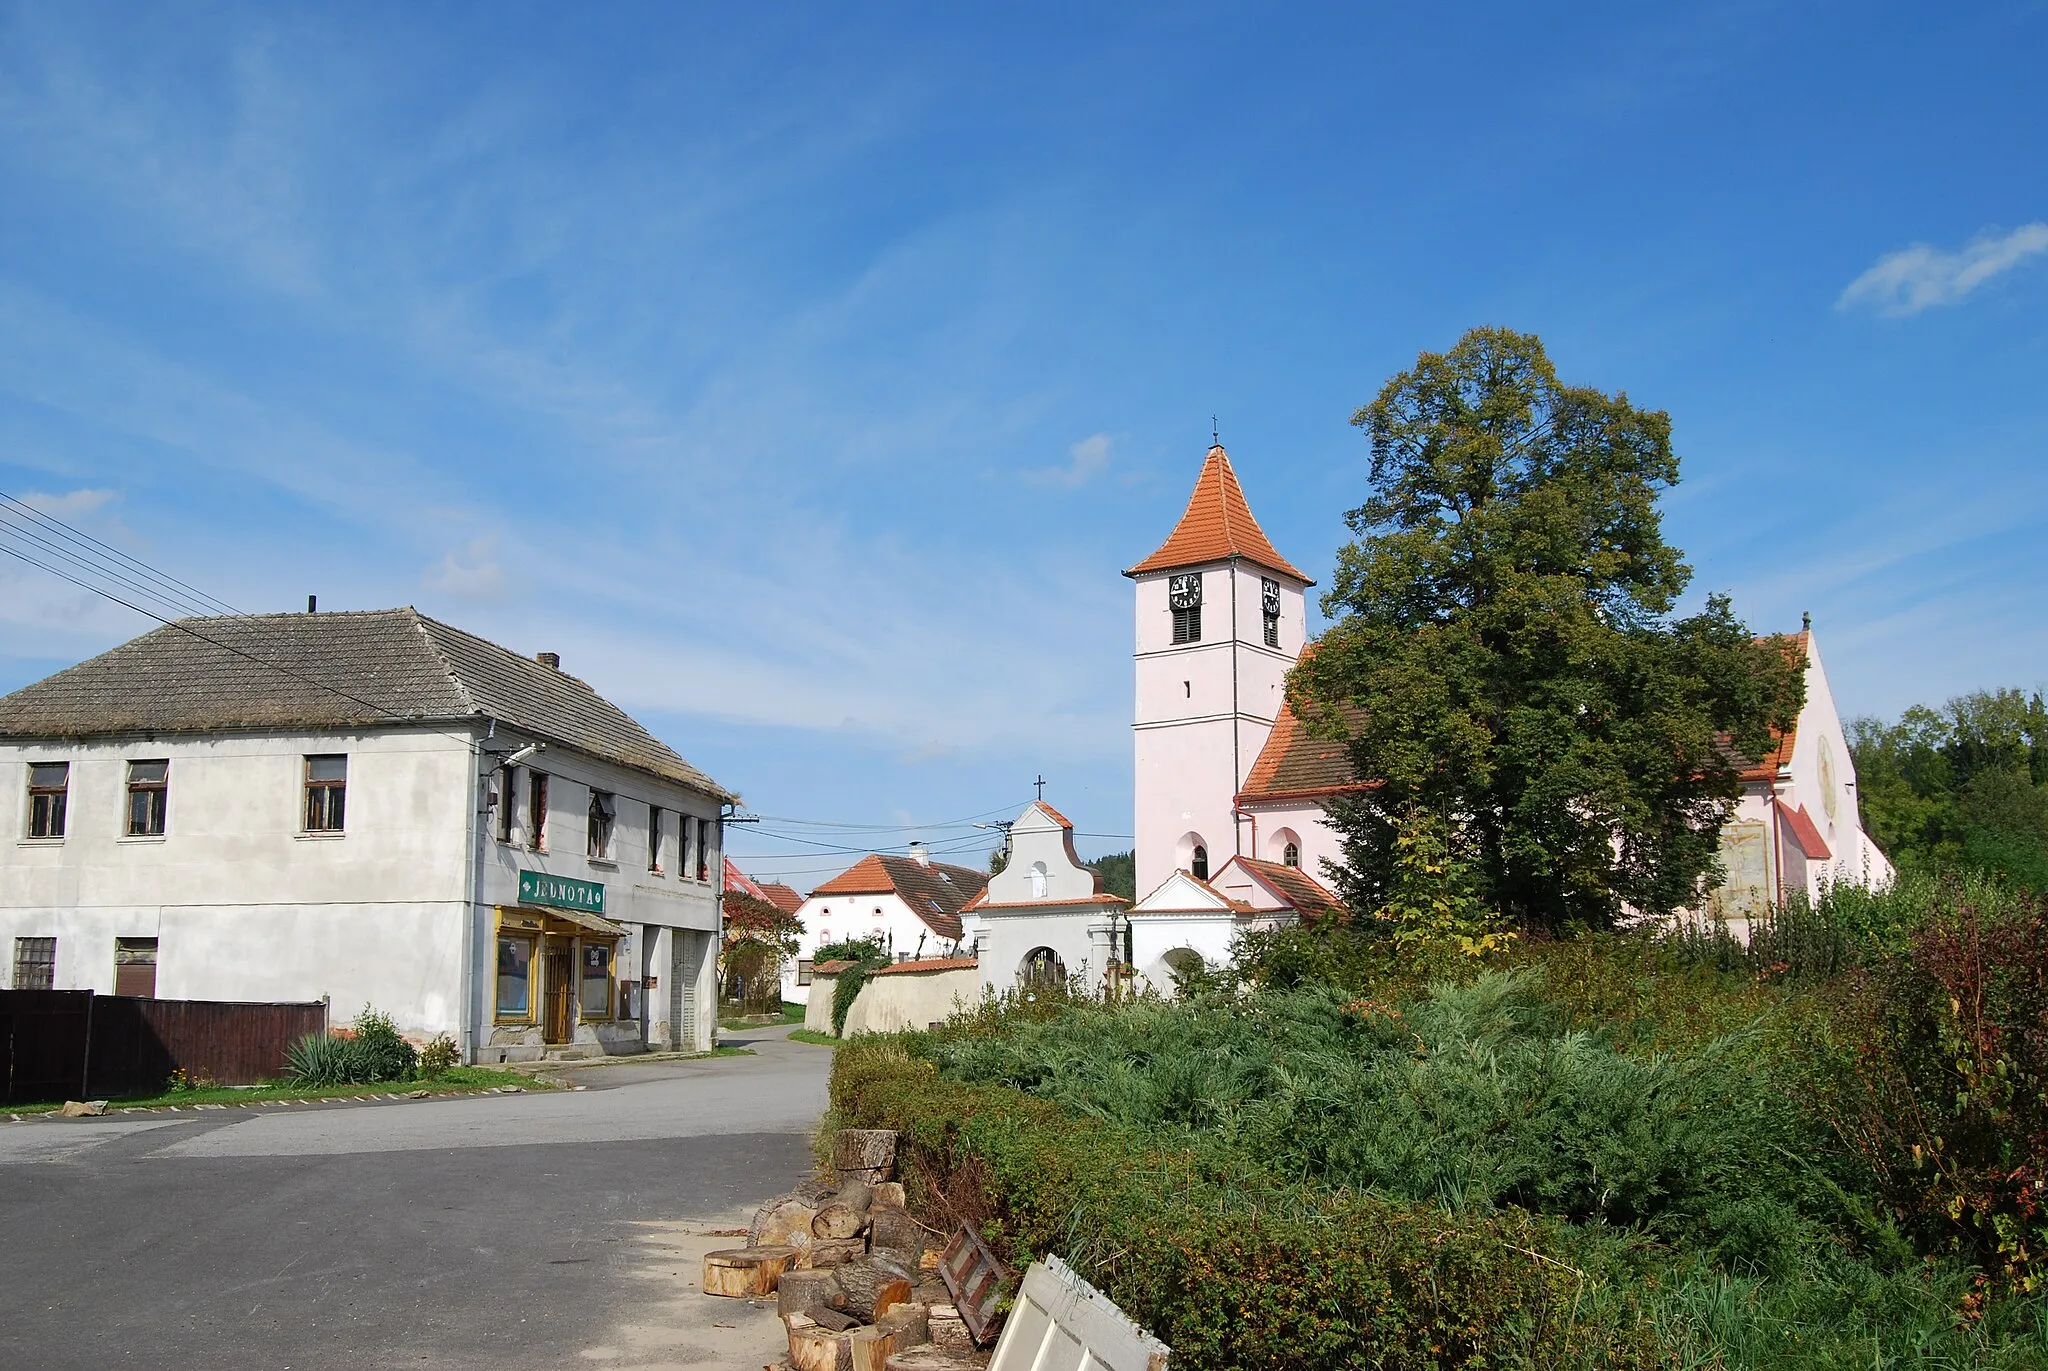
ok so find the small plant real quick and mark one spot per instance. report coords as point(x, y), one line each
point(383, 1054)
point(438, 1056)
point(319, 1059)
point(366, 1051)
point(182, 1081)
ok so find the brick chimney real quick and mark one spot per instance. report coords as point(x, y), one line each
point(551, 660)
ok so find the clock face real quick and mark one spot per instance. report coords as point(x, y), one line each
point(1269, 595)
point(1185, 592)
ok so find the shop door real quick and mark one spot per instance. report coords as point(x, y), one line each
point(561, 992)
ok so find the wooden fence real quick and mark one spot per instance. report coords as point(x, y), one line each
point(73, 1044)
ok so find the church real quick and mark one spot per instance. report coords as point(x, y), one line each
point(1230, 789)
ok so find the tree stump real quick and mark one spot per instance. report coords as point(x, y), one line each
point(891, 1194)
point(864, 1150)
point(871, 1289)
point(910, 1322)
point(816, 1348)
point(784, 1220)
point(854, 1193)
point(746, 1272)
point(932, 1359)
point(893, 1231)
point(949, 1330)
point(805, 1292)
point(831, 1252)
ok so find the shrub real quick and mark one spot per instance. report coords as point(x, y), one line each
point(438, 1056)
point(369, 1050)
point(319, 1059)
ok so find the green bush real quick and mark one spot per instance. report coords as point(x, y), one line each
point(438, 1057)
point(370, 1050)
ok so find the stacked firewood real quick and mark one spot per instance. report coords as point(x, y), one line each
point(851, 1270)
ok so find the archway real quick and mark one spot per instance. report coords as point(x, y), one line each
point(1191, 854)
point(1042, 968)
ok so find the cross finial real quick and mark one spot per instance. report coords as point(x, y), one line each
point(1215, 433)
point(1041, 787)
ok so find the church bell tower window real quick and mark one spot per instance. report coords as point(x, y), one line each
point(1184, 594)
point(1199, 867)
point(1269, 601)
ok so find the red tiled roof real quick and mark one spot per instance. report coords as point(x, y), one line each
point(929, 964)
point(782, 897)
point(831, 968)
point(934, 893)
point(1801, 826)
point(1296, 766)
point(983, 902)
point(1302, 892)
point(1236, 906)
point(1217, 525)
point(1062, 820)
point(1780, 755)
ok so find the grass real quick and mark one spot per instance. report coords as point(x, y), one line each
point(460, 1080)
point(791, 1013)
point(812, 1035)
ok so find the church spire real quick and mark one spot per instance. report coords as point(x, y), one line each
point(1217, 525)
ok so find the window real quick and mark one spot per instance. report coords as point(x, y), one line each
point(35, 963)
point(515, 978)
point(604, 807)
point(1269, 604)
point(135, 967)
point(508, 779)
point(682, 845)
point(48, 784)
point(537, 811)
point(654, 837)
point(596, 997)
point(1184, 595)
point(1199, 867)
point(1291, 855)
point(803, 970)
point(326, 793)
point(703, 849)
point(149, 793)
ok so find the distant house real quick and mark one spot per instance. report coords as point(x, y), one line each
point(911, 905)
point(370, 807)
point(782, 897)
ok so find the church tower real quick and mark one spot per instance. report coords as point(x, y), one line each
point(1221, 618)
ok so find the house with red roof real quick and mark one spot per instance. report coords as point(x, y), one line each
point(908, 903)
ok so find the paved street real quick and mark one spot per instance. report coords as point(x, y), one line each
point(503, 1231)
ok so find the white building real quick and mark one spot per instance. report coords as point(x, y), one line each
point(910, 905)
point(1225, 770)
point(1045, 917)
point(1186, 922)
point(374, 808)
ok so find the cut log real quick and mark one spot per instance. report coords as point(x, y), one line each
point(836, 1320)
point(854, 1194)
point(831, 1252)
point(872, 1348)
point(932, 1359)
point(872, 1289)
point(893, 1231)
point(784, 1220)
point(837, 1220)
point(746, 1272)
point(864, 1149)
point(806, 1292)
point(891, 1194)
point(816, 1348)
point(911, 1323)
point(949, 1330)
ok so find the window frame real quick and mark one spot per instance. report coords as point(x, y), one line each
point(157, 808)
point(600, 825)
point(23, 946)
point(499, 1014)
point(1187, 625)
point(326, 794)
point(703, 849)
point(48, 805)
point(804, 966)
point(584, 947)
point(508, 801)
point(655, 827)
point(537, 810)
point(1290, 855)
point(1198, 862)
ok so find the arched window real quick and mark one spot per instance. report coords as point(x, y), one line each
point(1038, 879)
point(1043, 968)
point(1290, 855)
point(1198, 867)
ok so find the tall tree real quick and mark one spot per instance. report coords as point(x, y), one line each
point(1504, 658)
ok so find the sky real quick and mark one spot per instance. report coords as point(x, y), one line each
point(806, 375)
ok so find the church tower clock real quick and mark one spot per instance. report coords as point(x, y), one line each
point(1221, 618)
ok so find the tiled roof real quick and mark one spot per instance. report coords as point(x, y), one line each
point(1293, 765)
point(321, 672)
point(1795, 646)
point(1062, 820)
point(831, 968)
point(1099, 898)
point(782, 897)
point(1236, 906)
point(929, 964)
point(1217, 525)
point(1302, 892)
point(934, 893)
point(1801, 826)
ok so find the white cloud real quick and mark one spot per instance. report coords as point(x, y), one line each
point(1085, 460)
point(1922, 276)
point(472, 573)
point(71, 505)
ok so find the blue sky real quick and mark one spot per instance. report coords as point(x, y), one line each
point(805, 376)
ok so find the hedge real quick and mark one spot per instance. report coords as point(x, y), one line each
point(1231, 1275)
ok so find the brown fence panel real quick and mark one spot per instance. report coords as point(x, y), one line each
point(138, 1043)
point(42, 1044)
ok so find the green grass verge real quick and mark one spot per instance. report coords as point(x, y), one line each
point(460, 1080)
point(812, 1035)
point(791, 1013)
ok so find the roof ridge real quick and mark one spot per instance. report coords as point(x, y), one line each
point(420, 622)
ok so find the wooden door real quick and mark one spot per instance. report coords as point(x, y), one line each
point(561, 992)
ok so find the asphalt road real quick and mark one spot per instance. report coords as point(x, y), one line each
point(503, 1231)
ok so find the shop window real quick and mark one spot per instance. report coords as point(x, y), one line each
point(596, 998)
point(654, 827)
point(515, 978)
point(49, 785)
point(537, 811)
point(35, 963)
point(604, 808)
point(326, 793)
point(135, 967)
point(149, 793)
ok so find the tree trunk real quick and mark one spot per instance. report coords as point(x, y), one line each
point(854, 1193)
point(932, 1359)
point(893, 1231)
point(910, 1322)
point(863, 1150)
point(814, 1348)
point(829, 1252)
point(787, 1220)
point(804, 1292)
point(837, 1220)
point(746, 1272)
point(890, 1193)
point(871, 1290)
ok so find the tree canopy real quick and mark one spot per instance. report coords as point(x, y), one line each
point(1504, 658)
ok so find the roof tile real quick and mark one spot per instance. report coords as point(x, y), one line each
point(1217, 525)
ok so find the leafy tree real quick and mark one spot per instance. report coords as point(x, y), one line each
point(1119, 872)
point(758, 937)
point(1503, 655)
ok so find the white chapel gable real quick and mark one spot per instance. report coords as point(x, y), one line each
point(1181, 893)
point(1043, 864)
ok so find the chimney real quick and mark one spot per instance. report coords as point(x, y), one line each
point(920, 854)
point(312, 604)
point(551, 660)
